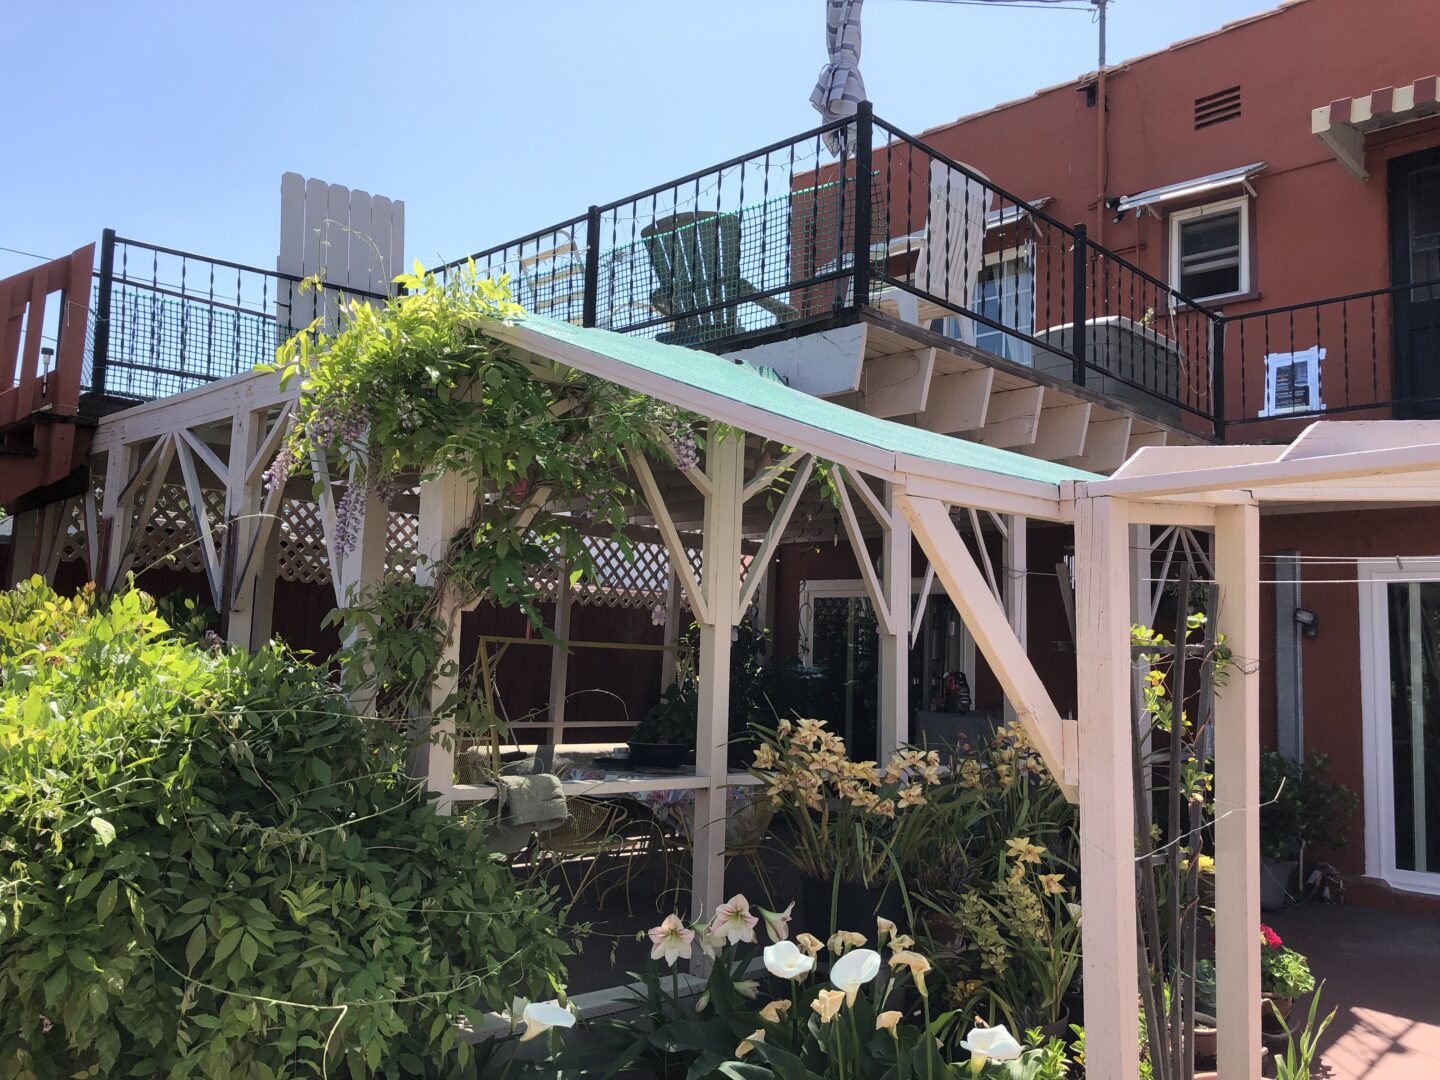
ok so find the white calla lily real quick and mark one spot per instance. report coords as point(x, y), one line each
point(785, 960)
point(853, 970)
point(541, 1016)
point(991, 1043)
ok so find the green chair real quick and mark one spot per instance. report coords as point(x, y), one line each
point(696, 259)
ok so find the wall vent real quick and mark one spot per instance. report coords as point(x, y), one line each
point(1218, 107)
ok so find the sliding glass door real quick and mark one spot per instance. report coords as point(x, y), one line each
point(1403, 721)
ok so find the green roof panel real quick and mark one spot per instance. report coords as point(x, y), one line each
point(749, 386)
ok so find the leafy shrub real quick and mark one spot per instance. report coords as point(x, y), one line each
point(1299, 807)
point(210, 867)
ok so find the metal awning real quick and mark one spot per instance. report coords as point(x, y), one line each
point(1343, 124)
point(1188, 189)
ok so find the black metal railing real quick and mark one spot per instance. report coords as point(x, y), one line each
point(166, 321)
point(856, 214)
point(759, 241)
point(810, 230)
point(1338, 356)
point(1000, 273)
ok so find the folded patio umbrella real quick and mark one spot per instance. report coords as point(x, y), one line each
point(954, 250)
point(840, 89)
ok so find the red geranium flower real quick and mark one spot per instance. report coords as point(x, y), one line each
point(1269, 937)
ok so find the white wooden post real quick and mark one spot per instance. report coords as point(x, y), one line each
point(364, 565)
point(1237, 794)
point(560, 655)
point(1107, 808)
point(115, 524)
point(894, 645)
point(673, 610)
point(1015, 570)
point(22, 546)
point(445, 505)
point(242, 507)
point(720, 584)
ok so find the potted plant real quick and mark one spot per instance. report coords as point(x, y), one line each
point(665, 736)
point(851, 824)
point(1298, 808)
point(1284, 976)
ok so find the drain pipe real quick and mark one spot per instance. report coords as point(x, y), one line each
point(1102, 148)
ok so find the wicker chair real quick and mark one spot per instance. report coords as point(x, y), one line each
point(595, 829)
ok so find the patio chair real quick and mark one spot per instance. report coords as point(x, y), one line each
point(696, 259)
point(745, 835)
point(595, 829)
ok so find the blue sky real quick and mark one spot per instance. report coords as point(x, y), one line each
point(172, 122)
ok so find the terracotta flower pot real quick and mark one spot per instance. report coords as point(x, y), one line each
point(1269, 1022)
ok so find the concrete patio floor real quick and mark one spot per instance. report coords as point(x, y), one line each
point(1382, 971)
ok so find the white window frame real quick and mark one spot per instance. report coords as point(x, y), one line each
point(1312, 357)
point(1379, 796)
point(1180, 217)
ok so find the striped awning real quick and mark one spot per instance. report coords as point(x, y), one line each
point(1343, 124)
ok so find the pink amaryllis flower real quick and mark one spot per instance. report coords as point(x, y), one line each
point(734, 921)
point(671, 939)
point(777, 923)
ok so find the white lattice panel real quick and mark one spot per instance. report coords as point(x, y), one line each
point(402, 534)
point(72, 544)
point(168, 539)
point(301, 555)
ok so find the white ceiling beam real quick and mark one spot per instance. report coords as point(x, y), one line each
point(959, 403)
point(1062, 431)
point(1013, 418)
point(897, 385)
point(1107, 442)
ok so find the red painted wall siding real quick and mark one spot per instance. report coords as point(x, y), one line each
point(1332, 703)
point(1317, 232)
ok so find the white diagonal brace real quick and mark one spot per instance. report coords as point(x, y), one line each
point(147, 465)
point(919, 617)
point(195, 496)
point(760, 564)
point(202, 450)
point(679, 559)
point(985, 618)
point(873, 585)
point(159, 464)
point(270, 443)
point(767, 476)
point(869, 498)
point(984, 554)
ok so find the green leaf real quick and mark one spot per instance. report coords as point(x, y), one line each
point(195, 948)
point(103, 829)
point(105, 903)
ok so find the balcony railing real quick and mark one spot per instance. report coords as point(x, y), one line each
point(165, 321)
point(808, 232)
point(1332, 357)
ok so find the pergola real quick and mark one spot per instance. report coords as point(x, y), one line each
point(901, 482)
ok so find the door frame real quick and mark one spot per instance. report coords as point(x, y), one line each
point(820, 588)
point(1379, 757)
point(1397, 204)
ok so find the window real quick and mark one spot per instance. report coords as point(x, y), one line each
point(1210, 250)
point(1005, 293)
point(1292, 382)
